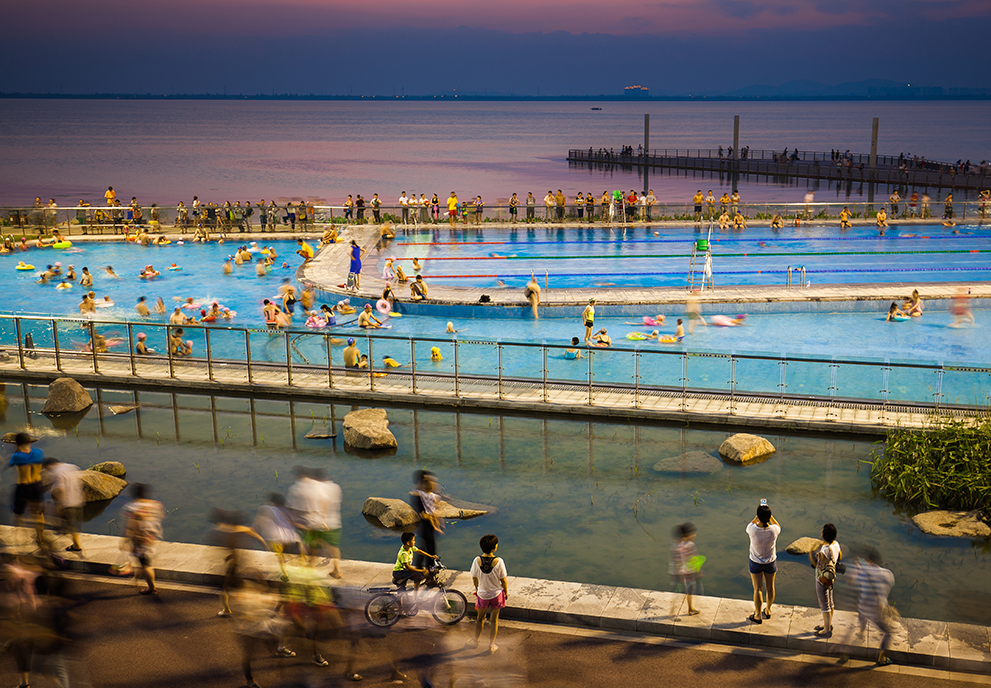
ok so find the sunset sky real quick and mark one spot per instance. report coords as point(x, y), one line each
point(562, 47)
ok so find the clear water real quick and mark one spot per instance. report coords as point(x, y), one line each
point(576, 500)
point(859, 336)
point(639, 257)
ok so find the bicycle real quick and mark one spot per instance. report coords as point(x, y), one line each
point(388, 604)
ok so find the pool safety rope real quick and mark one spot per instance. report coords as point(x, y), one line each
point(681, 273)
point(721, 255)
point(689, 240)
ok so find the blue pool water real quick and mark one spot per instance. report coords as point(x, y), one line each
point(636, 257)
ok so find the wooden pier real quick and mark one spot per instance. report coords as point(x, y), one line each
point(854, 168)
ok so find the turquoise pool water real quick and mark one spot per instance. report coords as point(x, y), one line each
point(639, 257)
point(575, 500)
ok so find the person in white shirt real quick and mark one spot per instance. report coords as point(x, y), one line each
point(404, 206)
point(67, 492)
point(824, 560)
point(488, 575)
point(875, 583)
point(316, 503)
point(763, 532)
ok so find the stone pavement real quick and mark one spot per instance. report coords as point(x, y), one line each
point(938, 644)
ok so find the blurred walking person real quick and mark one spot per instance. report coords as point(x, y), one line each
point(231, 535)
point(875, 583)
point(316, 502)
point(66, 487)
point(423, 499)
point(685, 564)
point(143, 517)
point(275, 524)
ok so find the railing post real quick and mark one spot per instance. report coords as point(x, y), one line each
point(938, 394)
point(130, 348)
point(412, 360)
point(209, 355)
point(289, 359)
point(371, 376)
point(636, 376)
point(58, 354)
point(684, 382)
point(457, 380)
point(833, 388)
point(544, 348)
point(732, 385)
point(247, 354)
point(499, 349)
point(92, 347)
point(590, 377)
point(330, 367)
point(20, 344)
point(783, 384)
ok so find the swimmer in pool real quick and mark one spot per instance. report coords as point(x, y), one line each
point(532, 294)
point(679, 331)
point(110, 272)
point(160, 306)
point(601, 338)
point(588, 319)
point(895, 313)
point(142, 307)
point(390, 362)
point(574, 353)
point(416, 265)
point(961, 309)
point(913, 305)
point(64, 284)
point(367, 320)
point(450, 329)
point(435, 354)
point(260, 269)
point(228, 268)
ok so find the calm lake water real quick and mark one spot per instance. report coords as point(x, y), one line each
point(165, 151)
point(575, 500)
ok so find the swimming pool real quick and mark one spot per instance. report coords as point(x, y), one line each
point(638, 257)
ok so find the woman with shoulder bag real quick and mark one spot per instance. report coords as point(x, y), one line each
point(824, 560)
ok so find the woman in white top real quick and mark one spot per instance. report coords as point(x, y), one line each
point(825, 560)
point(763, 532)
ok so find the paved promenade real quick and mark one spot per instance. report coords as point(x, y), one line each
point(938, 645)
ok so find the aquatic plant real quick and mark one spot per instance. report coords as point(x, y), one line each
point(945, 466)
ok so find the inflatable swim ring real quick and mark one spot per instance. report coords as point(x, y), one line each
point(667, 339)
point(24, 266)
point(901, 318)
point(63, 244)
point(383, 307)
point(131, 238)
point(190, 306)
point(347, 310)
point(104, 304)
point(162, 243)
point(637, 336)
point(647, 320)
point(316, 323)
point(175, 267)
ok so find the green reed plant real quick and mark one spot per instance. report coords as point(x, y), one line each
point(946, 466)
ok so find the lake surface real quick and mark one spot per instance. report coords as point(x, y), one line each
point(164, 151)
point(576, 500)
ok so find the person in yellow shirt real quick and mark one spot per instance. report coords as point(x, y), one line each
point(845, 218)
point(110, 195)
point(305, 250)
point(698, 199)
point(452, 208)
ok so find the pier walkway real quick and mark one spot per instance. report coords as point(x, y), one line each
point(809, 165)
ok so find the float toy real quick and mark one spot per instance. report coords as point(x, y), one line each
point(175, 267)
point(24, 266)
point(383, 307)
point(63, 244)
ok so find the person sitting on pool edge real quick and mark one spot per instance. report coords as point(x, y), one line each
point(351, 354)
point(845, 218)
point(882, 219)
point(724, 220)
point(575, 353)
point(739, 221)
point(418, 289)
point(776, 221)
point(913, 305)
point(367, 320)
point(601, 338)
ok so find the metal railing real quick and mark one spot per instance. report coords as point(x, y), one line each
point(70, 221)
point(463, 368)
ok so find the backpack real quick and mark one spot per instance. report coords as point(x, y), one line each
point(826, 574)
point(486, 564)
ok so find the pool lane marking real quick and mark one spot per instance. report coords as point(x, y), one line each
point(686, 241)
point(721, 255)
point(723, 272)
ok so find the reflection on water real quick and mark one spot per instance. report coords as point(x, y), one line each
point(577, 500)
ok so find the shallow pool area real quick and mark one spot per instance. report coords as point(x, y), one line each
point(558, 486)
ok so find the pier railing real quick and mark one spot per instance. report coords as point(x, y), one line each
point(83, 220)
point(466, 368)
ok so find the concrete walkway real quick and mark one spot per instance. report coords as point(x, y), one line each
point(953, 646)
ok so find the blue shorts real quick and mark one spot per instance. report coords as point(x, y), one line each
point(756, 568)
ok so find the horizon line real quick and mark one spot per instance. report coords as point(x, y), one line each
point(483, 97)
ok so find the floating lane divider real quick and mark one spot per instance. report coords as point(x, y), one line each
point(721, 255)
point(721, 272)
point(690, 240)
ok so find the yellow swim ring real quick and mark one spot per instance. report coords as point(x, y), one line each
point(63, 244)
point(24, 266)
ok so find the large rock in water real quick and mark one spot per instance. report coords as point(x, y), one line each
point(99, 487)
point(65, 395)
point(391, 513)
point(689, 462)
point(804, 545)
point(114, 468)
point(744, 448)
point(953, 523)
point(368, 429)
point(395, 513)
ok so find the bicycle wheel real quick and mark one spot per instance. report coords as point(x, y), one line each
point(383, 610)
point(450, 607)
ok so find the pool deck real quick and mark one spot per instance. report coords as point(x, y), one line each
point(312, 383)
point(939, 644)
point(328, 272)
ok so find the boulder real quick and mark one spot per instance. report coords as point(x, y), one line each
point(65, 395)
point(953, 523)
point(99, 487)
point(689, 462)
point(395, 513)
point(391, 513)
point(804, 545)
point(368, 429)
point(744, 448)
point(114, 468)
point(9, 438)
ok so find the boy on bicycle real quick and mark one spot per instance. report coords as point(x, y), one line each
point(404, 569)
